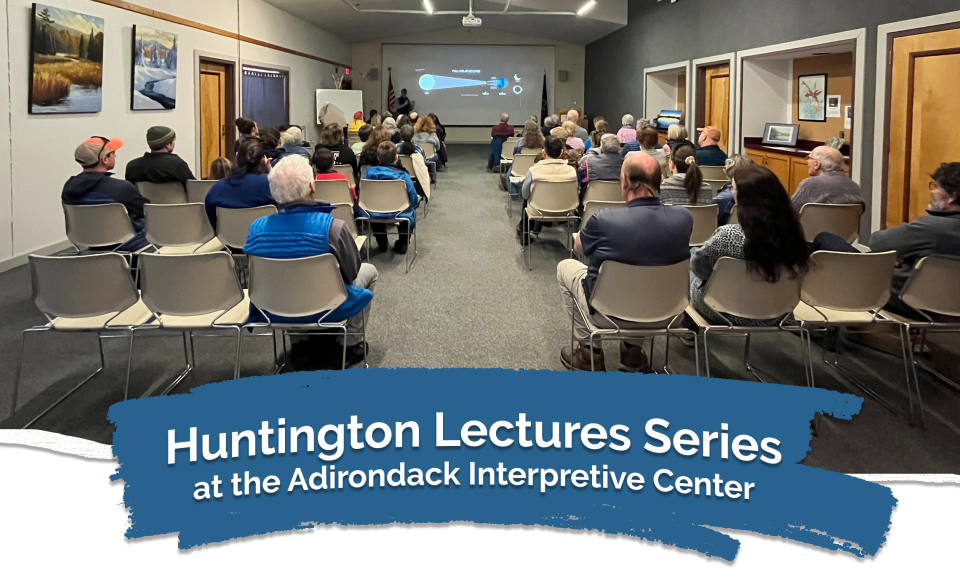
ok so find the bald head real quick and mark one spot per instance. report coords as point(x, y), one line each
point(573, 116)
point(640, 177)
point(825, 159)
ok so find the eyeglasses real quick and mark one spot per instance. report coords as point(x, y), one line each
point(103, 146)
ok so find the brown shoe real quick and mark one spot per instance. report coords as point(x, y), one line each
point(580, 359)
point(633, 359)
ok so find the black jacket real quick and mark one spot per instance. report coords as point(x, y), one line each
point(159, 167)
point(342, 154)
point(100, 187)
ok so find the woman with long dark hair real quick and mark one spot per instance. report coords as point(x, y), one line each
point(769, 237)
point(685, 185)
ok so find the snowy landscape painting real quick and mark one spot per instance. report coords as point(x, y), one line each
point(154, 69)
point(66, 64)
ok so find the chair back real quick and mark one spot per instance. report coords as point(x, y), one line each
point(734, 219)
point(842, 220)
point(363, 171)
point(554, 197)
point(353, 138)
point(604, 190)
point(704, 223)
point(82, 286)
point(174, 225)
point(296, 288)
point(171, 193)
point(383, 196)
point(233, 225)
point(734, 290)
point(189, 285)
point(715, 186)
point(590, 208)
point(714, 173)
point(933, 285)
point(347, 171)
point(335, 192)
point(407, 163)
point(98, 225)
point(197, 190)
point(429, 151)
point(533, 151)
point(506, 151)
point(850, 282)
point(521, 164)
point(344, 212)
point(642, 294)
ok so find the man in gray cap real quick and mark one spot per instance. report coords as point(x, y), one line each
point(160, 165)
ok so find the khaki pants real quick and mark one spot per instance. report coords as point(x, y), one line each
point(366, 278)
point(570, 275)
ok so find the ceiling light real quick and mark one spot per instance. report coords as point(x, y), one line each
point(586, 7)
point(428, 6)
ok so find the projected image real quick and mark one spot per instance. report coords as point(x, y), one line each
point(492, 86)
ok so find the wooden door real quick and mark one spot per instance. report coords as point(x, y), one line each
point(213, 115)
point(717, 101)
point(924, 109)
point(682, 95)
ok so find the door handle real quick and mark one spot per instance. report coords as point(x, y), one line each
point(223, 131)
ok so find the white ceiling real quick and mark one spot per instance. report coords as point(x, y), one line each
point(342, 18)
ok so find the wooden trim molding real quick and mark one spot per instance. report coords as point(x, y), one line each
point(131, 7)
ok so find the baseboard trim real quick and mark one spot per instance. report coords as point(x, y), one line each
point(17, 261)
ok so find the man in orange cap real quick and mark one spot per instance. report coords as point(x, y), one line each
point(709, 153)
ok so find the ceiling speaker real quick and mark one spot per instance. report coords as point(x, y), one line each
point(564, 75)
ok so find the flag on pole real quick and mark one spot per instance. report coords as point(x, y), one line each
point(391, 96)
point(544, 109)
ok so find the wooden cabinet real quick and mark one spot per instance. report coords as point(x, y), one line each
point(789, 169)
point(799, 171)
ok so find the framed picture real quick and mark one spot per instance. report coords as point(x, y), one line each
point(812, 99)
point(833, 106)
point(781, 134)
point(66, 62)
point(154, 69)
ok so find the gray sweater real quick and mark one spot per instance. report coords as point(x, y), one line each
point(834, 188)
point(937, 233)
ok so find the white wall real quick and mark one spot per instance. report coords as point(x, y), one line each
point(42, 155)
point(662, 92)
point(767, 93)
point(570, 57)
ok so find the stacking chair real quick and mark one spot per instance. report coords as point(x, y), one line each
point(551, 201)
point(533, 151)
point(344, 212)
point(428, 150)
point(387, 197)
point(197, 190)
point(233, 225)
point(179, 229)
point(190, 293)
point(591, 207)
point(298, 288)
point(638, 302)
point(363, 171)
point(604, 190)
point(83, 294)
point(518, 171)
point(704, 223)
point(715, 176)
point(407, 163)
point(347, 171)
point(842, 220)
point(171, 193)
point(506, 151)
point(335, 192)
point(733, 290)
point(98, 226)
point(353, 138)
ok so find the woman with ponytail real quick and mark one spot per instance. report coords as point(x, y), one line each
point(685, 185)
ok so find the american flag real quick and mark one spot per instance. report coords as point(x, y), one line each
point(391, 96)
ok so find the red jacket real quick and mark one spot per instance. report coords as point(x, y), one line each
point(336, 176)
point(502, 131)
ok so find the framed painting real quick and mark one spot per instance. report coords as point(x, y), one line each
point(781, 134)
point(812, 98)
point(66, 62)
point(154, 69)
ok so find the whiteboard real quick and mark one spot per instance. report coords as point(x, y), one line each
point(348, 100)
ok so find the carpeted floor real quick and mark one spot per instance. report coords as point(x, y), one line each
point(468, 301)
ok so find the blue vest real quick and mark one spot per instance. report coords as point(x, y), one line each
point(300, 232)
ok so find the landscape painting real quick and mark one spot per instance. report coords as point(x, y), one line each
point(66, 62)
point(781, 134)
point(154, 69)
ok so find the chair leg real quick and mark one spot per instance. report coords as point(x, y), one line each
point(236, 369)
point(363, 338)
point(706, 353)
point(909, 367)
point(746, 363)
point(189, 358)
point(126, 384)
point(344, 365)
point(16, 380)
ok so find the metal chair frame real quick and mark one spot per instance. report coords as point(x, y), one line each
point(569, 217)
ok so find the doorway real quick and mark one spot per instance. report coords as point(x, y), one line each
point(921, 98)
point(712, 87)
point(217, 111)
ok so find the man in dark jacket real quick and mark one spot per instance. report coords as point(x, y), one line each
point(96, 185)
point(160, 165)
point(709, 153)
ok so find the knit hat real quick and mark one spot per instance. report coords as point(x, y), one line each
point(160, 136)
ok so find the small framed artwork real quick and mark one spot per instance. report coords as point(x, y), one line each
point(154, 70)
point(833, 106)
point(812, 99)
point(781, 134)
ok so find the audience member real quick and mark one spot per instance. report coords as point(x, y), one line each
point(220, 169)
point(364, 134)
point(676, 134)
point(724, 198)
point(376, 121)
point(549, 123)
point(247, 128)
point(603, 166)
point(391, 124)
point(95, 185)
point(769, 238)
point(552, 168)
point(403, 121)
point(828, 183)
point(291, 143)
point(531, 138)
point(593, 142)
point(247, 184)
point(421, 168)
point(426, 131)
point(357, 122)
point(573, 140)
point(647, 144)
point(324, 161)
point(685, 186)
point(373, 112)
point(390, 169)
point(303, 228)
point(331, 138)
point(645, 233)
point(368, 155)
point(499, 135)
point(271, 145)
point(442, 134)
point(709, 153)
point(160, 165)
point(936, 233)
point(573, 116)
point(413, 117)
point(627, 133)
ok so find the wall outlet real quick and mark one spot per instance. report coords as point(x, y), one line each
point(843, 134)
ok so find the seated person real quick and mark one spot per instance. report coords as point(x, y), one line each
point(391, 124)
point(247, 129)
point(676, 134)
point(769, 238)
point(648, 143)
point(95, 185)
point(323, 161)
point(442, 134)
point(531, 138)
point(573, 116)
point(331, 138)
point(603, 166)
point(574, 141)
point(247, 185)
point(373, 112)
point(709, 153)
point(291, 143)
point(828, 183)
point(627, 133)
point(368, 155)
point(421, 167)
point(549, 123)
point(937, 233)
point(271, 144)
point(724, 198)
point(388, 170)
point(357, 122)
point(304, 229)
point(499, 135)
point(363, 133)
point(685, 185)
point(220, 168)
point(592, 144)
point(426, 131)
point(645, 233)
point(552, 168)
point(160, 165)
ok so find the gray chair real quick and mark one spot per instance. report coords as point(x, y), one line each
point(604, 190)
point(551, 202)
point(387, 197)
point(345, 213)
point(171, 193)
point(521, 164)
point(842, 220)
point(335, 192)
point(347, 171)
point(233, 225)
point(704, 223)
point(179, 229)
point(98, 226)
point(197, 190)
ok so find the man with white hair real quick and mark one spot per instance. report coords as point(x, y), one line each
point(574, 116)
point(627, 133)
point(291, 142)
point(603, 166)
point(499, 135)
point(828, 183)
point(305, 228)
point(549, 123)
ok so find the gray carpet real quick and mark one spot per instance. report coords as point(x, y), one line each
point(468, 301)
